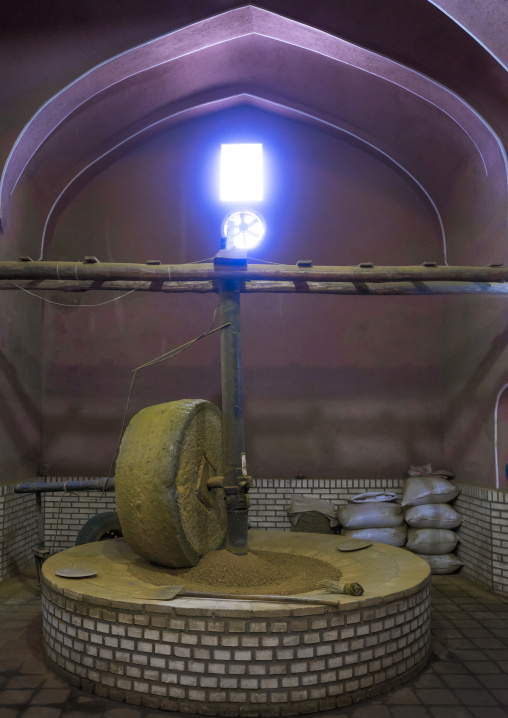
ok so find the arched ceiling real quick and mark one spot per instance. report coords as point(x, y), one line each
point(252, 56)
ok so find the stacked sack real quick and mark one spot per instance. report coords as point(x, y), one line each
point(374, 517)
point(430, 517)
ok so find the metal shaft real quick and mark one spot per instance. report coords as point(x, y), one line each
point(87, 485)
point(233, 443)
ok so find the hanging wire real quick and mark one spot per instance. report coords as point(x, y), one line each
point(263, 261)
point(163, 357)
point(64, 494)
point(64, 304)
point(99, 304)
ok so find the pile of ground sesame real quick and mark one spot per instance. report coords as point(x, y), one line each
point(258, 572)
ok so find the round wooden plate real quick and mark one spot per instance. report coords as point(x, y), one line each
point(76, 572)
point(354, 545)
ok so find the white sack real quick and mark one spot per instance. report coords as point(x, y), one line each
point(370, 515)
point(433, 516)
point(394, 537)
point(428, 490)
point(447, 563)
point(431, 541)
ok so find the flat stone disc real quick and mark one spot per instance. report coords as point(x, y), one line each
point(75, 572)
point(354, 545)
point(167, 454)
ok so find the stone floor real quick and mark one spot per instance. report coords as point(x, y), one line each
point(467, 676)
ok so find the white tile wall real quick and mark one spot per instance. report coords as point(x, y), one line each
point(484, 532)
point(484, 535)
point(271, 497)
point(18, 527)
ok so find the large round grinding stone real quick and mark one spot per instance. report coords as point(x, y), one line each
point(168, 452)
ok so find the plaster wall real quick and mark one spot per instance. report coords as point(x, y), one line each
point(488, 26)
point(44, 48)
point(475, 371)
point(334, 386)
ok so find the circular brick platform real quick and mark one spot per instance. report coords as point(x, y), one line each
point(238, 658)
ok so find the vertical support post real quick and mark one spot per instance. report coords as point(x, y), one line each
point(233, 442)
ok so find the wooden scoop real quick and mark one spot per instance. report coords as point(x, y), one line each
point(167, 593)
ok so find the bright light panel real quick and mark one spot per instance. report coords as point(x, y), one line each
point(241, 173)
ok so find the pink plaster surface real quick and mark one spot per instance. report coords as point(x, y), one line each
point(392, 380)
point(486, 22)
point(333, 386)
point(306, 73)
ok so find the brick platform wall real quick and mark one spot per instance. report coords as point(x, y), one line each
point(231, 662)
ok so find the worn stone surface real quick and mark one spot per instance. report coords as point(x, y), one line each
point(166, 452)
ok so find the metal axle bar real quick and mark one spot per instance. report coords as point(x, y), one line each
point(87, 485)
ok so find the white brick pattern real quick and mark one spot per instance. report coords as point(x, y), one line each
point(484, 535)
point(237, 662)
point(484, 532)
point(18, 528)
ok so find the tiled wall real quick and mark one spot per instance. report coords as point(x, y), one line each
point(18, 531)
point(65, 514)
point(271, 497)
point(484, 533)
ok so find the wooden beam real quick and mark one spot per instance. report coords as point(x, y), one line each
point(106, 271)
point(435, 288)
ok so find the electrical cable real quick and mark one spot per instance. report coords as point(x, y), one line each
point(163, 357)
point(63, 304)
point(264, 261)
point(99, 304)
point(65, 493)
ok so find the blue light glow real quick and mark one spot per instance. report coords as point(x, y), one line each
point(243, 229)
point(241, 173)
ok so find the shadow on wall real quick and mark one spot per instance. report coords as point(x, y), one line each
point(501, 437)
point(20, 418)
point(482, 410)
point(319, 422)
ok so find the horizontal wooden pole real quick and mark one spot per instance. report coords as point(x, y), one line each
point(255, 287)
point(107, 271)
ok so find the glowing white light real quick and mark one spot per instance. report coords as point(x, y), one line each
point(243, 229)
point(241, 173)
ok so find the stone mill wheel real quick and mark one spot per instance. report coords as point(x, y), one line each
point(167, 513)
